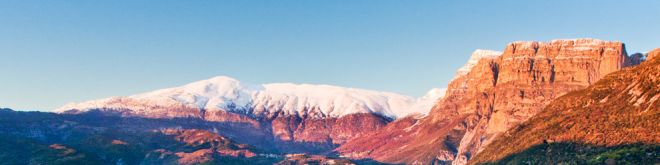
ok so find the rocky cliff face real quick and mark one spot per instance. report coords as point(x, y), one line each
point(618, 112)
point(498, 93)
point(294, 135)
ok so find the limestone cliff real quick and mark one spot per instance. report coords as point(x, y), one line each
point(620, 111)
point(497, 93)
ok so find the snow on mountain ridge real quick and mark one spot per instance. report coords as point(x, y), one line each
point(474, 59)
point(434, 93)
point(425, 103)
point(225, 93)
point(212, 93)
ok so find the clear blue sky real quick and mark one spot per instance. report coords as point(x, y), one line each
point(55, 52)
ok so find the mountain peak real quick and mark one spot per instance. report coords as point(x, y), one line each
point(474, 59)
point(228, 94)
point(214, 84)
point(653, 54)
point(221, 79)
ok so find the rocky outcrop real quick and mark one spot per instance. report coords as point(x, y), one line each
point(621, 109)
point(636, 58)
point(208, 145)
point(655, 53)
point(194, 146)
point(497, 93)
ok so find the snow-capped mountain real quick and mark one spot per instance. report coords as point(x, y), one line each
point(474, 59)
point(290, 117)
point(425, 103)
point(228, 94)
point(476, 56)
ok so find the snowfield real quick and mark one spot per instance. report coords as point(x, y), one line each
point(226, 93)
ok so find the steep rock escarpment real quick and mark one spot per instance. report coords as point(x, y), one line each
point(619, 113)
point(497, 93)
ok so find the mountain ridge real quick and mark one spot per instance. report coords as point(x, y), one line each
point(492, 93)
point(292, 117)
point(225, 93)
